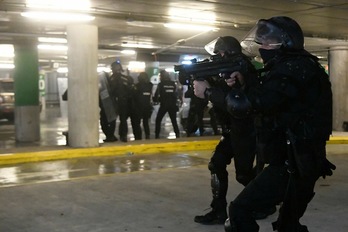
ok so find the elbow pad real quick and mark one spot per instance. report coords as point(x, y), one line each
point(237, 104)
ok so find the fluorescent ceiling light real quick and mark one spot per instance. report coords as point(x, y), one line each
point(6, 66)
point(136, 45)
point(52, 40)
point(7, 50)
point(52, 47)
point(62, 70)
point(193, 16)
point(99, 69)
point(189, 27)
point(103, 69)
point(60, 4)
point(128, 52)
point(140, 24)
point(54, 16)
point(136, 66)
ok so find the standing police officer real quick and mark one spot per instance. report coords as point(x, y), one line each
point(196, 113)
point(143, 102)
point(166, 94)
point(122, 87)
point(108, 107)
point(238, 139)
point(293, 105)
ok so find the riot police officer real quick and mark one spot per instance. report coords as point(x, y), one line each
point(143, 102)
point(167, 96)
point(108, 107)
point(122, 87)
point(195, 114)
point(238, 139)
point(293, 105)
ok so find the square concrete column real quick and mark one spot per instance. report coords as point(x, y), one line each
point(83, 108)
point(338, 68)
point(26, 83)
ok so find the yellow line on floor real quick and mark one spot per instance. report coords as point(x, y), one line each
point(71, 153)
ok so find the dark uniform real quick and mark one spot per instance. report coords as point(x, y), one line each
point(293, 103)
point(167, 96)
point(122, 87)
point(238, 139)
point(108, 108)
point(196, 113)
point(143, 102)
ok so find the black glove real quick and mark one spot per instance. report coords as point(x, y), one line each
point(327, 168)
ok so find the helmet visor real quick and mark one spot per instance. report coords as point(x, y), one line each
point(210, 47)
point(264, 35)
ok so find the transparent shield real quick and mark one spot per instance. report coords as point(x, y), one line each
point(209, 47)
point(249, 46)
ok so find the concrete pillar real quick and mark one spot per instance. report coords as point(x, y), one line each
point(338, 69)
point(83, 108)
point(26, 78)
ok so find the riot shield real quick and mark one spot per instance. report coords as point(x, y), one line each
point(108, 102)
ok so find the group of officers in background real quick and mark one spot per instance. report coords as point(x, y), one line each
point(120, 97)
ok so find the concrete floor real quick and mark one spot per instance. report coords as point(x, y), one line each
point(80, 196)
point(139, 192)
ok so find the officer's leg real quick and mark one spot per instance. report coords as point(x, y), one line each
point(219, 184)
point(123, 127)
point(213, 121)
point(160, 114)
point(135, 121)
point(244, 159)
point(172, 115)
point(146, 117)
point(191, 122)
point(104, 122)
point(266, 190)
point(200, 115)
point(294, 210)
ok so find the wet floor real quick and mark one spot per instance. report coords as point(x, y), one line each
point(40, 172)
point(53, 124)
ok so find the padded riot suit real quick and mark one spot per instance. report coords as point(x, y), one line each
point(293, 105)
point(237, 142)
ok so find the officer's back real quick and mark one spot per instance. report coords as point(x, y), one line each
point(166, 91)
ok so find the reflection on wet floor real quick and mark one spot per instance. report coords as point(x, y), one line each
point(76, 168)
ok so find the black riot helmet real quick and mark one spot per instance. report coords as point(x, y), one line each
point(116, 67)
point(226, 44)
point(280, 32)
point(284, 29)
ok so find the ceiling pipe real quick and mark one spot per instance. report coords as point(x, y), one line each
point(178, 43)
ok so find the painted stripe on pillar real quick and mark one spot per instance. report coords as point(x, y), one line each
point(26, 75)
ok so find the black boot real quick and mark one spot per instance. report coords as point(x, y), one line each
point(217, 215)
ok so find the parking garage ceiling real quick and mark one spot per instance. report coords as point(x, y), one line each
point(141, 24)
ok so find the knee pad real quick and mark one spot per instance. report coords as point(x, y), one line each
point(211, 167)
point(215, 185)
point(214, 181)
